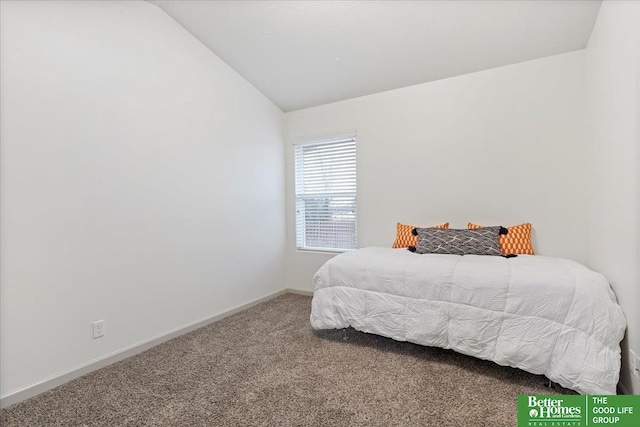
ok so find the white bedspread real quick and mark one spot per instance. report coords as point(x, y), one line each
point(544, 315)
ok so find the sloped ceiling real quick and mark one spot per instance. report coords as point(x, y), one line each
point(306, 53)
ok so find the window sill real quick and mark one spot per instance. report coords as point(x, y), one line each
point(323, 251)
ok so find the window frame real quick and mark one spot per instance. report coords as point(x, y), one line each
point(299, 193)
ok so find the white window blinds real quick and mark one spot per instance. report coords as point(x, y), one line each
point(326, 193)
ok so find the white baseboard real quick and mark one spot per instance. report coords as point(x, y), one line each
point(123, 353)
point(299, 292)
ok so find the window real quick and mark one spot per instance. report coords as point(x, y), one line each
point(326, 193)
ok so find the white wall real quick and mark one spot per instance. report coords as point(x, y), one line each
point(502, 146)
point(612, 77)
point(142, 183)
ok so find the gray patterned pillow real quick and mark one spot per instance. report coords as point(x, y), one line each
point(481, 241)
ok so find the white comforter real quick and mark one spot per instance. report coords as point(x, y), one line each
point(544, 315)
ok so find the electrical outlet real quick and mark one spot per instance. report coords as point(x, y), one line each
point(635, 363)
point(98, 329)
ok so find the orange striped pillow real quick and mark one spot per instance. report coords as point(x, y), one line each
point(404, 238)
point(516, 241)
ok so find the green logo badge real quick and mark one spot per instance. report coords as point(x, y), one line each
point(578, 411)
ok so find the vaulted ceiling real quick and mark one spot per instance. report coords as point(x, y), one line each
point(306, 53)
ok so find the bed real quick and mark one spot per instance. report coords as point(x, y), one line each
point(547, 316)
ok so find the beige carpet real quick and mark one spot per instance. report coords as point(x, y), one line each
point(266, 367)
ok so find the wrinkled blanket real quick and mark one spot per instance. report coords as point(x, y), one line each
point(544, 315)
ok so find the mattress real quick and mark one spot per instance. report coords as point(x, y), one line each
point(548, 316)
